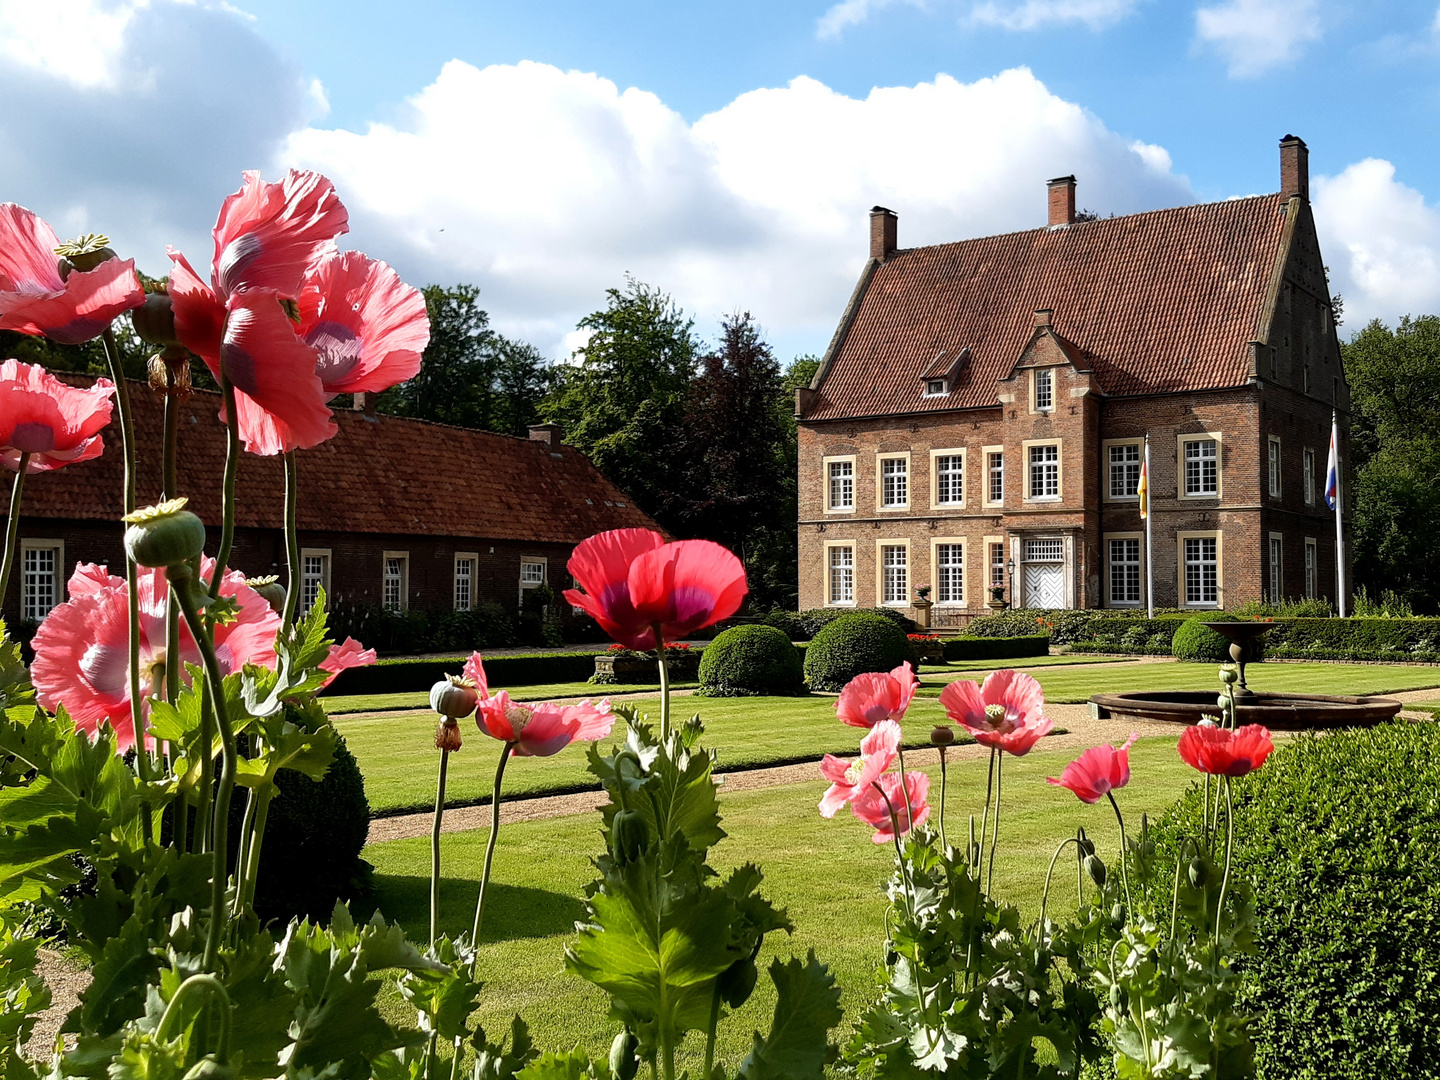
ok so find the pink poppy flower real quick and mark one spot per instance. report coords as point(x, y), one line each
point(344, 656)
point(368, 327)
point(82, 651)
point(1097, 771)
point(849, 779)
point(1004, 714)
point(34, 299)
point(874, 696)
point(634, 581)
point(1221, 752)
point(57, 424)
point(871, 807)
point(533, 730)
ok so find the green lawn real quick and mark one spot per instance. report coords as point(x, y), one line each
point(354, 703)
point(826, 873)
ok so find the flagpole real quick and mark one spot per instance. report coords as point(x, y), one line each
point(1340, 604)
point(1149, 546)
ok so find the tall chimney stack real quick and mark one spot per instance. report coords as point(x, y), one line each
point(883, 224)
point(1062, 200)
point(1294, 168)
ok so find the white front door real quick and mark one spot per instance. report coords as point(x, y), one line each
point(1045, 573)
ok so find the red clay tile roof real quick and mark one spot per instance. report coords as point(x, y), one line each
point(1160, 301)
point(379, 474)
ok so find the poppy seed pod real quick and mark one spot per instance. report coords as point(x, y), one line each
point(84, 254)
point(1199, 871)
point(942, 735)
point(270, 588)
point(629, 835)
point(624, 1062)
point(1117, 915)
point(1228, 675)
point(164, 535)
point(454, 697)
point(1095, 867)
point(737, 982)
point(447, 735)
point(1119, 1000)
point(154, 320)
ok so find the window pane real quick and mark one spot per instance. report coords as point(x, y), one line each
point(842, 485)
point(38, 590)
point(1310, 571)
point(312, 580)
point(1044, 389)
point(1202, 584)
point(996, 469)
point(949, 479)
point(895, 584)
point(1202, 473)
point(997, 564)
point(950, 572)
point(894, 482)
point(1274, 467)
point(1309, 470)
point(842, 575)
point(1125, 571)
point(1124, 471)
point(1277, 581)
point(464, 584)
point(532, 573)
point(393, 595)
point(1044, 472)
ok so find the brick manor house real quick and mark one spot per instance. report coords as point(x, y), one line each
point(394, 513)
point(979, 417)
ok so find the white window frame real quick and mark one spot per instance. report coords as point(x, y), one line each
point(986, 455)
point(935, 458)
point(1307, 469)
point(473, 559)
point(991, 544)
point(323, 554)
point(1312, 568)
point(1181, 482)
point(1106, 446)
point(935, 576)
point(880, 568)
point(1138, 538)
point(1275, 462)
point(404, 559)
point(880, 461)
point(1275, 566)
point(533, 560)
point(1028, 447)
point(839, 459)
point(936, 388)
point(830, 547)
point(1219, 538)
point(57, 584)
point(1045, 377)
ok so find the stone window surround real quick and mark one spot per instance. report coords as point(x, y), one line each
point(892, 455)
point(473, 558)
point(880, 546)
point(1196, 436)
point(825, 463)
point(1275, 567)
point(404, 558)
point(1105, 445)
point(1312, 568)
point(1025, 448)
point(1274, 466)
point(935, 456)
point(1105, 561)
point(935, 542)
point(1200, 534)
point(42, 544)
point(985, 452)
point(829, 545)
point(326, 561)
point(1050, 371)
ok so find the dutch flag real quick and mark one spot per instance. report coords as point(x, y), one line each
point(1332, 468)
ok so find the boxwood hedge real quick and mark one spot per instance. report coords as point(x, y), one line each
point(751, 660)
point(1197, 642)
point(856, 642)
point(992, 648)
point(411, 676)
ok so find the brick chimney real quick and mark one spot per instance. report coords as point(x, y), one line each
point(1043, 316)
point(883, 224)
point(1062, 200)
point(549, 434)
point(1294, 168)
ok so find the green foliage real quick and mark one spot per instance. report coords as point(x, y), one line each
point(1195, 641)
point(406, 676)
point(1389, 605)
point(1284, 609)
point(993, 648)
point(1355, 639)
point(1340, 842)
point(418, 630)
point(804, 625)
point(856, 642)
point(751, 661)
point(1065, 626)
point(23, 994)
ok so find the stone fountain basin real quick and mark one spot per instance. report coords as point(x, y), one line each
point(1279, 712)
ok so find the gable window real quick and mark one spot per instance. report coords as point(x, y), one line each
point(995, 477)
point(1044, 390)
point(1274, 445)
point(1045, 471)
point(842, 574)
point(839, 484)
point(1125, 570)
point(1201, 559)
point(1311, 567)
point(1277, 578)
point(894, 574)
point(950, 573)
point(1124, 466)
point(936, 388)
point(1307, 462)
point(949, 470)
point(894, 483)
point(314, 576)
point(1202, 466)
point(394, 591)
point(40, 565)
point(465, 580)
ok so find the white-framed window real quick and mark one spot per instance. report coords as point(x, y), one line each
point(839, 485)
point(41, 564)
point(1124, 566)
point(947, 467)
point(1274, 454)
point(395, 581)
point(936, 388)
point(1277, 568)
point(997, 564)
point(1200, 466)
point(314, 576)
point(840, 560)
point(1123, 469)
point(1044, 471)
point(894, 572)
point(532, 573)
point(1307, 468)
point(1200, 562)
point(465, 564)
point(1043, 383)
point(950, 571)
point(1312, 565)
point(894, 476)
point(994, 475)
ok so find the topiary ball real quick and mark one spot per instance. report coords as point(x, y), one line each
point(855, 643)
point(751, 660)
point(1195, 641)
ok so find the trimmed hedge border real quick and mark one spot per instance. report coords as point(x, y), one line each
point(413, 676)
point(996, 648)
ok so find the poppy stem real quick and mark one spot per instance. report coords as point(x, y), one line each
point(1229, 850)
point(985, 817)
point(943, 776)
point(664, 686)
point(435, 847)
point(1124, 852)
point(1175, 897)
point(170, 483)
point(252, 862)
point(12, 527)
point(232, 465)
point(1045, 896)
point(995, 828)
point(904, 787)
point(490, 846)
point(292, 538)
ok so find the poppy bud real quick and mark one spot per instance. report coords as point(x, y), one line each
point(628, 765)
point(1084, 843)
point(154, 320)
point(942, 735)
point(453, 697)
point(164, 535)
point(624, 1060)
point(737, 982)
point(629, 835)
point(270, 590)
point(891, 957)
point(1119, 1000)
point(1117, 916)
point(1095, 867)
point(1199, 871)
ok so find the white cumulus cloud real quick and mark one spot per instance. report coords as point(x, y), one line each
point(1255, 36)
point(1381, 240)
point(1044, 14)
point(847, 13)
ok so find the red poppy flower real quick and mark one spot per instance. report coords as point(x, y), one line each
point(1004, 713)
point(34, 299)
point(634, 581)
point(535, 730)
point(874, 809)
point(851, 779)
point(344, 656)
point(875, 696)
point(55, 423)
point(1097, 771)
point(1221, 752)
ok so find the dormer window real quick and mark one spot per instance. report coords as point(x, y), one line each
point(936, 387)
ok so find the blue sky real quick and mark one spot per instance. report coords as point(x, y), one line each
point(725, 151)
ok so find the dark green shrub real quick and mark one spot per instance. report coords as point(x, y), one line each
point(1064, 625)
point(1197, 642)
point(412, 676)
point(856, 642)
point(751, 660)
point(1355, 639)
point(992, 648)
point(1339, 839)
point(790, 623)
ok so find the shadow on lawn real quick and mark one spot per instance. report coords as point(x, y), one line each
point(511, 911)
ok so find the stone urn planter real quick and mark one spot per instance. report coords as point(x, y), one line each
point(928, 650)
point(997, 598)
point(630, 668)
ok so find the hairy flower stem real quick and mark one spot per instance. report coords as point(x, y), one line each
point(435, 847)
point(904, 787)
point(292, 538)
point(185, 989)
point(985, 817)
point(1045, 896)
point(1229, 851)
point(945, 844)
point(204, 792)
point(232, 466)
point(909, 896)
point(1175, 896)
point(170, 483)
point(1124, 852)
point(252, 854)
point(995, 828)
point(664, 686)
point(180, 579)
point(12, 527)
